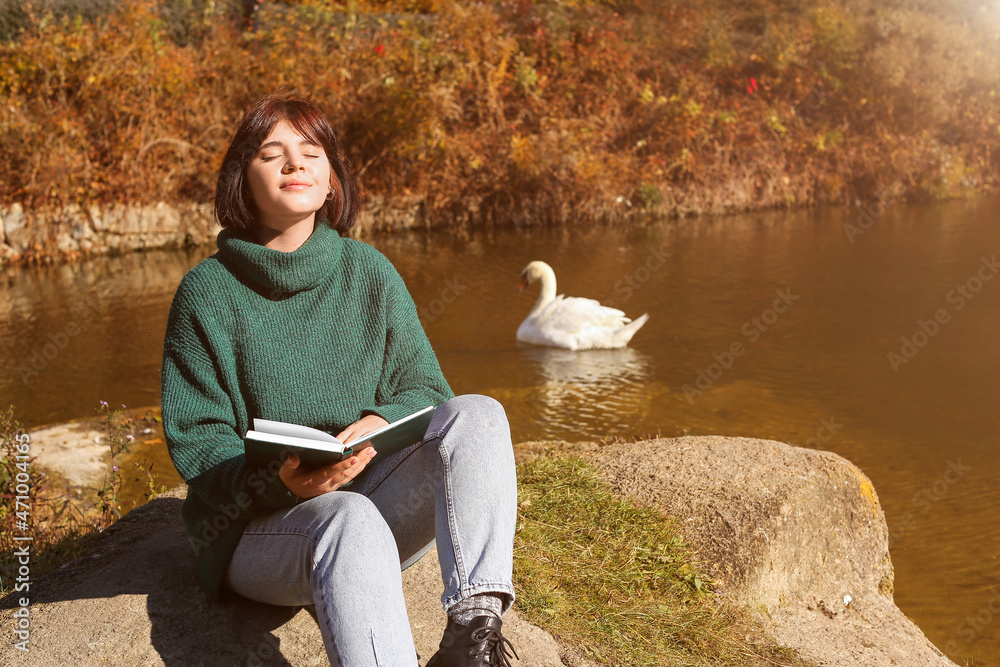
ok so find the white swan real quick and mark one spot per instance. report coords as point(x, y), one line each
point(571, 322)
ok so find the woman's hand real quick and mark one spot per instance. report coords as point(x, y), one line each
point(366, 424)
point(311, 483)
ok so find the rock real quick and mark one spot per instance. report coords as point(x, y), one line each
point(96, 218)
point(69, 226)
point(133, 600)
point(14, 226)
point(392, 213)
point(66, 244)
point(77, 451)
point(71, 231)
point(199, 225)
point(795, 535)
point(9, 255)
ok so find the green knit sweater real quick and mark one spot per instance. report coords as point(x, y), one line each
point(320, 336)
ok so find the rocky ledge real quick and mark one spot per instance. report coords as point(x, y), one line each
point(133, 600)
point(795, 535)
point(74, 231)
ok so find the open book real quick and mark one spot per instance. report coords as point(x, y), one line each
point(272, 440)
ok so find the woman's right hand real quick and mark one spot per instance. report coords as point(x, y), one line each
point(315, 482)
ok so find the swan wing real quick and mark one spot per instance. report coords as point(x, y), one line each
point(575, 314)
point(577, 323)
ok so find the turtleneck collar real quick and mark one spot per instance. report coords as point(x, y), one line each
point(284, 272)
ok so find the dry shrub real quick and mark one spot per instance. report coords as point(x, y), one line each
point(520, 111)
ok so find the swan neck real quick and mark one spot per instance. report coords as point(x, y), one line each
point(548, 291)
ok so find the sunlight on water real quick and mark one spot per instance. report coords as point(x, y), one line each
point(772, 325)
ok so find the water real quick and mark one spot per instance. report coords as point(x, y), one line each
point(717, 356)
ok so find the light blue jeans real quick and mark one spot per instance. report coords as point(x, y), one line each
point(343, 551)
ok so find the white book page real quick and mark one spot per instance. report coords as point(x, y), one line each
point(292, 430)
point(291, 441)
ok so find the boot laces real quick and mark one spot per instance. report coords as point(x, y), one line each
point(494, 647)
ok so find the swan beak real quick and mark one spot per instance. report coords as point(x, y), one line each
point(524, 283)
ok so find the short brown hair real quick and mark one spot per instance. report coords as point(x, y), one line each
point(234, 207)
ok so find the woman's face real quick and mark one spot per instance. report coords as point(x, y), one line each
point(289, 178)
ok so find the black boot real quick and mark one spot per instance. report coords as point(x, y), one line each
point(478, 644)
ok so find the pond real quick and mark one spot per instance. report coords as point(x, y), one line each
point(877, 343)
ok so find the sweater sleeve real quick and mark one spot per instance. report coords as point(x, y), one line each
point(411, 377)
point(200, 418)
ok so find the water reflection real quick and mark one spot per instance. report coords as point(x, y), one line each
point(78, 333)
point(589, 393)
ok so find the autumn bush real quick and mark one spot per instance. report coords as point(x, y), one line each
point(512, 112)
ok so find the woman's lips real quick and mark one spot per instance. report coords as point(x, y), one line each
point(295, 185)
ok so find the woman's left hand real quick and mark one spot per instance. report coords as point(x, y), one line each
point(363, 426)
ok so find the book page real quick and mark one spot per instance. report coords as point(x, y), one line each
point(292, 430)
point(297, 443)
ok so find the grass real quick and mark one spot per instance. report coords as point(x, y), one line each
point(61, 520)
point(617, 581)
point(29, 506)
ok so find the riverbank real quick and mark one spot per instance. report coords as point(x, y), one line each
point(504, 113)
point(73, 232)
point(794, 537)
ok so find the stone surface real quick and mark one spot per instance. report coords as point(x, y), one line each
point(787, 532)
point(14, 225)
point(133, 600)
point(77, 450)
point(381, 213)
point(72, 231)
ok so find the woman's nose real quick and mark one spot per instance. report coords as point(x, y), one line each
point(290, 166)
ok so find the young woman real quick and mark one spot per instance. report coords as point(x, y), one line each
point(291, 322)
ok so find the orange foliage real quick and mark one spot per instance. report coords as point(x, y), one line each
point(516, 111)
